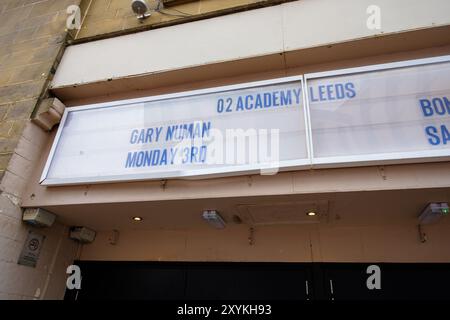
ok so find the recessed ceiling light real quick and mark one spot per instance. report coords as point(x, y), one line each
point(311, 214)
point(137, 218)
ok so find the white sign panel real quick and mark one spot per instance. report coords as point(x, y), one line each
point(400, 113)
point(246, 128)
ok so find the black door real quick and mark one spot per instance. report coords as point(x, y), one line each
point(125, 281)
point(193, 281)
point(397, 281)
point(346, 281)
point(260, 281)
point(249, 281)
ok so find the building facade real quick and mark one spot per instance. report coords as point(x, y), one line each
point(350, 200)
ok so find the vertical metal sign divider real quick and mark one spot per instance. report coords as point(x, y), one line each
point(308, 129)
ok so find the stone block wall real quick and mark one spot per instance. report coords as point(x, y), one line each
point(32, 38)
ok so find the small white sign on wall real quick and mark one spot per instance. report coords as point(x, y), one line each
point(31, 249)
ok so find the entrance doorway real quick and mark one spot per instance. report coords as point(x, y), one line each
point(259, 281)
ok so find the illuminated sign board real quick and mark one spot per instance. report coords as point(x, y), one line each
point(391, 113)
point(256, 127)
point(399, 112)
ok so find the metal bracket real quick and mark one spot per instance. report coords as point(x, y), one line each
point(49, 113)
point(422, 235)
point(251, 236)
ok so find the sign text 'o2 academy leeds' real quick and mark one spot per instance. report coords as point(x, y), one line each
point(397, 112)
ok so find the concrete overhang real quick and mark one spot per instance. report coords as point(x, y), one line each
point(290, 38)
point(386, 208)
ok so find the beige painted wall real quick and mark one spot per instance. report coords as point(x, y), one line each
point(291, 243)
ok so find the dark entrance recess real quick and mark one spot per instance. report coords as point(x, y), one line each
point(258, 281)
